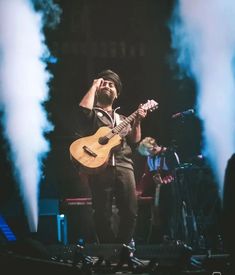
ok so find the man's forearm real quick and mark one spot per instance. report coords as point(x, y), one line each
point(136, 132)
point(89, 99)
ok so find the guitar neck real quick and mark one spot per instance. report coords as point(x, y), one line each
point(148, 106)
point(124, 123)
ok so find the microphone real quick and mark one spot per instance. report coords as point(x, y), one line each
point(184, 113)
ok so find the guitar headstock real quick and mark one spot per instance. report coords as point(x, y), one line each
point(150, 105)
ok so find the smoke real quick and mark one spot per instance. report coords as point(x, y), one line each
point(24, 89)
point(203, 35)
point(51, 12)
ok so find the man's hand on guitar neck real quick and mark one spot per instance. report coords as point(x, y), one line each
point(141, 114)
point(143, 109)
point(136, 129)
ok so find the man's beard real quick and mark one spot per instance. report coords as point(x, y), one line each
point(105, 97)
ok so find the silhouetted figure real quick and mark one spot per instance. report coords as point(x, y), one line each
point(229, 207)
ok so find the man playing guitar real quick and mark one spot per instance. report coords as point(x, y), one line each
point(116, 178)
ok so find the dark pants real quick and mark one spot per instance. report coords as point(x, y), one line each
point(118, 183)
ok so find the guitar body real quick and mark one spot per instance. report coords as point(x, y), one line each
point(90, 153)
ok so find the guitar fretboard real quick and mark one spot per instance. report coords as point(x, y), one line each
point(124, 123)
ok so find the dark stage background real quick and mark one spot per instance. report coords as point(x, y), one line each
point(132, 38)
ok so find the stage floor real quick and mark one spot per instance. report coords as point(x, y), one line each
point(164, 259)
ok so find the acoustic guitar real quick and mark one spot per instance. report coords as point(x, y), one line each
point(92, 152)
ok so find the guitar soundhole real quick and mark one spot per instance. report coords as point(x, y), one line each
point(103, 140)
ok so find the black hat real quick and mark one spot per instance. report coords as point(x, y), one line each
point(112, 76)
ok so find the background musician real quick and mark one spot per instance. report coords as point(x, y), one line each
point(156, 181)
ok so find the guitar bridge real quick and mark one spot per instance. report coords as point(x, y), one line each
point(89, 151)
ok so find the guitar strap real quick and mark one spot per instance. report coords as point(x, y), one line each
point(158, 175)
point(117, 119)
point(162, 160)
